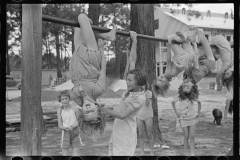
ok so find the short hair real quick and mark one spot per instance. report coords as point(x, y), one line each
point(63, 93)
point(93, 129)
point(193, 95)
point(228, 81)
point(139, 76)
point(160, 90)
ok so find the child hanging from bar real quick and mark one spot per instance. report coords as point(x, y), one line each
point(221, 49)
point(187, 117)
point(206, 60)
point(184, 57)
point(187, 59)
point(88, 74)
point(123, 140)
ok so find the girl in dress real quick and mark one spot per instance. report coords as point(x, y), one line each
point(123, 140)
point(88, 74)
point(186, 114)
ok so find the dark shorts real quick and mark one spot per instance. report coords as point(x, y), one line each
point(206, 66)
point(70, 138)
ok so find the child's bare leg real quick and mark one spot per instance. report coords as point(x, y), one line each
point(87, 35)
point(226, 111)
point(149, 126)
point(187, 46)
point(186, 137)
point(65, 151)
point(206, 47)
point(111, 36)
point(140, 125)
point(192, 140)
point(176, 49)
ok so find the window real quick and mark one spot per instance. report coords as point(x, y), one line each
point(156, 24)
point(228, 38)
point(164, 66)
point(158, 69)
point(207, 36)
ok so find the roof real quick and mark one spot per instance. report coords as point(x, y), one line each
point(206, 22)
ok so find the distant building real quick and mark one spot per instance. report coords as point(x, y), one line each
point(168, 23)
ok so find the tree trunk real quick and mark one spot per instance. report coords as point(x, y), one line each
point(93, 13)
point(59, 74)
point(146, 52)
point(31, 114)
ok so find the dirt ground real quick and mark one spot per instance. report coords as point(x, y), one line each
point(210, 139)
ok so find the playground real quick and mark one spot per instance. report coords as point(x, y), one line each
point(210, 139)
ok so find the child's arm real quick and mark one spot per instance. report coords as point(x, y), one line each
point(199, 107)
point(133, 52)
point(178, 37)
point(148, 98)
point(174, 107)
point(196, 64)
point(226, 62)
point(60, 121)
point(119, 115)
point(169, 62)
point(102, 77)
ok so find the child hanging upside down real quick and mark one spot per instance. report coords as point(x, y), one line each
point(184, 58)
point(206, 61)
point(88, 74)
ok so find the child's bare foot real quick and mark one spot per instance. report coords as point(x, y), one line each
point(151, 153)
point(112, 33)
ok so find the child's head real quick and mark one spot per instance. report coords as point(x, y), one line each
point(188, 90)
point(64, 97)
point(92, 120)
point(227, 78)
point(161, 85)
point(136, 78)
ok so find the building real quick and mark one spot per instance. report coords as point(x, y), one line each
point(168, 23)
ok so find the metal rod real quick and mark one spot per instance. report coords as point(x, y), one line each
point(96, 28)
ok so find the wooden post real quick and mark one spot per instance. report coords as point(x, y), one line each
point(31, 116)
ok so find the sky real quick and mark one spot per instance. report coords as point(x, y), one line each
point(214, 7)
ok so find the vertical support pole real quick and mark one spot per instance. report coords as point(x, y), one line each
point(31, 116)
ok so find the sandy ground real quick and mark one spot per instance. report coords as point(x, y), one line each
point(210, 139)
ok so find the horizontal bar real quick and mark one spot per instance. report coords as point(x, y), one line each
point(96, 28)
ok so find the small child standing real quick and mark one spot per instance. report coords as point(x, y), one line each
point(67, 121)
point(187, 116)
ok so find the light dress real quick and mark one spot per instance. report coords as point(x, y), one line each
point(85, 66)
point(188, 115)
point(123, 140)
point(146, 111)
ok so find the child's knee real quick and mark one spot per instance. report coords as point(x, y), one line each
point(140, 135)
point(82, 16)
point(150, 136)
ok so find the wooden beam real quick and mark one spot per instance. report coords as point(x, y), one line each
point(31, 115)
